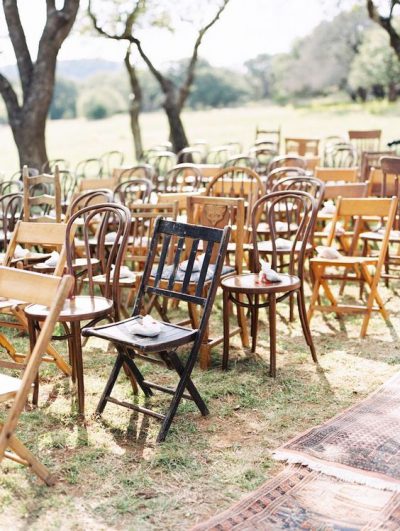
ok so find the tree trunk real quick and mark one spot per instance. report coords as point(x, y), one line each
point(135, 106)
point(177, 131)
point(392, 92)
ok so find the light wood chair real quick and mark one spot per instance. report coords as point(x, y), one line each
point(272, 136)
point(347, 175)
point(42, 193)
point(359, 209)
point(302, 146)
point(97, 184)
point(42, 289)
point(369, 140)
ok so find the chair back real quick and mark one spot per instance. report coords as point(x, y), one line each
point(83, 199)
point(190, 155)
point(110, 160)
point(277, 174)
point(42, 196)
point(371, 159)
point(89, 168)
point(302, 146)
point(288, 160)
point(218, 212)
point(11, 206)
point(340, 155)
point(311, 185)
point(333, 191)
point(346, 175)
point(10, 187)
point(220, 154)
point(108, 253)
point(162, 162)
point(185, 240)
point(96, 184)
point(181, 178)
point(262, 156)
point(68, 187)
point(365, 140)
point(237, 181)
point(294, 210)
point(37, 289)
point(140, 171)
point(133, 191)
point(272, 136)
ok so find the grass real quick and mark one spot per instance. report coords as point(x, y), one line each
point(79, 139)
point(112, 474)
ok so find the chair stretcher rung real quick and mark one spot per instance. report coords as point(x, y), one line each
point(16, 458)
point(165, 389)
point(136, 408)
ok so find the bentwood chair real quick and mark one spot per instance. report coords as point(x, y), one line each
point(266, 295)
point(11, 206)
point(182, 178)
point(92, 306)
point(288, 160)
point(163, 347)
point(110, 160)
point(133, 191)
point(51, 292)
point(281, 173)
point(273, 136)
point(139, 171)
point(42, 197)
point(10, 187)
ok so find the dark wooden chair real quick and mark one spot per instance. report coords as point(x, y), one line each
point(50, 165)
point(163, 347)
point(281, 173)
point(162, 162)
point(92, 306)
point(369, 160)
point(10, 187)
point(301, 206)
point(137, 190)
point(190, 155)
point(11, 206)
point(139, 171)
point(89, 168)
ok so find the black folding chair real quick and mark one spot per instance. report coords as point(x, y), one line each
point(168, 281)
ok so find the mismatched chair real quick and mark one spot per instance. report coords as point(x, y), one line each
point(42, 197)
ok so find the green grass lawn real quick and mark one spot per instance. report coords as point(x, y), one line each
point(75, 140)
point(112, 474)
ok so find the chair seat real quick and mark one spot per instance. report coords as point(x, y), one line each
point(180, 274)
point(8, 387)
point(80, 308)
point(346, 260)
point(266, 247)
point(378, 236)
point(249, 283)
point(171, 335)
point(130, 281)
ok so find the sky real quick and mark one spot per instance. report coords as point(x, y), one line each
point(246, 28)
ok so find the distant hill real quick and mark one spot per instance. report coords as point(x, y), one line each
point(76, 70)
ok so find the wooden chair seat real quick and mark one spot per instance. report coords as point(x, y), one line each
point(248, 283)
point(79, 308)
point(346, 260)
point(378, 237)
point(8, 387)
point(171, 334)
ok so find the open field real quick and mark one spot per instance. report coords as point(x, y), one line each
point(112, 475)
point(75, 140)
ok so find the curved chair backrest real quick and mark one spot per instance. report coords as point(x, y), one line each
point(134, 172)
point(133, 191)
point(182, 178)
point(295, 210)
point(110, 160)
point(288, 160)
point(89, 198)
point(280, 173)
point(42, 196)
point(89, 168)
point(11, 208)
point(10, 187)
point(311, 185)
point(190, 155)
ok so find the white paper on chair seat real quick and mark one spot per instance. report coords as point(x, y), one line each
point(393, 233)
point(283, 244)
point(20, 252)
point(330, 253)
point(124, 272)
point(267, 273)
point(339, 231)
point(110, 237)
point(147, 327)
point(52, 261)
point(281, 226)
point(329, 207)
point(196, 264)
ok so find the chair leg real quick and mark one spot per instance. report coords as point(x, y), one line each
point(305, 324)
point(179, 367)
point(254, 323)
point(134, 372)
point(225, 317)
point(242, 323)
point(110, 384)
point(272, 334)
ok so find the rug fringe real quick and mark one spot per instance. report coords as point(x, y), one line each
point(345, 474)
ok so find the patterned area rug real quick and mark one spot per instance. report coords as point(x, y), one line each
point(361, 444)
point(299, 498)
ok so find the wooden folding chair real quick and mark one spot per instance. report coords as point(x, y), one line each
point(331, 175)
point(159, 279)
point(36, 288)
point(42, 197)
point(359, 209)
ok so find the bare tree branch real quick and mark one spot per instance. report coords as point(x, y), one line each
point(386, 23)
point(18, 40)
point(9, 96)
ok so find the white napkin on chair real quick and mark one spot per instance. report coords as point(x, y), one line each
point(124, 272)
point(282, 244)
point(110, 237)
point(147, 327)
point(329, 207)
point(20, 252)
point(340, 230)
point(52, 260)
point(267, 274)
point(196, 264)
point(330, 253)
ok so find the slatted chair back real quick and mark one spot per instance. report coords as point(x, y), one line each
point(331, 175)
point(302, 146)
point(218, 212)
point(11, 206)
point(333, 191)
point(371, 159)
point(10, 187)
point(311, 185)
point(288, 161)
point(237, 181)
point(190, 155)
point(182, 178)
point(42, 197)
point(340, 155)
point(96, 184)
point(137, 190)
point(269, 135)
point(278, 174)
point(38, 289)
point(108, 254)
point(110, 160)
point(139, 171)
point(369, 140)
point(297, 210)
point(384, 183)
point(179, 199)
point(33, 235)
point(91, 168)
point(185, 240)
point(143, 218)
point(390, 167)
